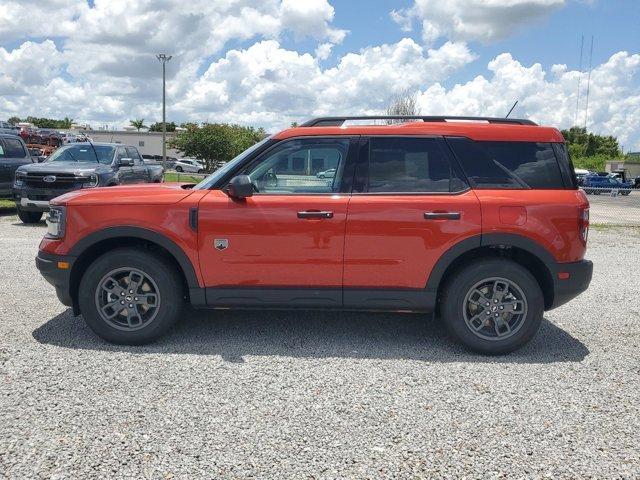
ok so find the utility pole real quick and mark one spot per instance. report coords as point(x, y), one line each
point(164, 58)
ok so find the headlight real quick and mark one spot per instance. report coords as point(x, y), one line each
point(91, 181)
point(19, 180)
point(56, 221)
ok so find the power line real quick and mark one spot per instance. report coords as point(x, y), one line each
point(575, 121)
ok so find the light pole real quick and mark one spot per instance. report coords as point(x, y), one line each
point(164, 58)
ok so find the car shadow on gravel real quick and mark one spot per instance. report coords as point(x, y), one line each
point(311, 334)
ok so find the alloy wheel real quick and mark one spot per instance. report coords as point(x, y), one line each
point(127, 299)
point(495, 308)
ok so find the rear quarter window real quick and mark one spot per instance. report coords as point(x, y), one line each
point(511, 165)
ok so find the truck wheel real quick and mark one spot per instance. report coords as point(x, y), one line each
point(130, 296)
point(492, 306)
point(29, 217)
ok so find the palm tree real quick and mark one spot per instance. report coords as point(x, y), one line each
point(137, 124)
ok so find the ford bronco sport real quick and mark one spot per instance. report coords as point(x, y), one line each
point(479, 219)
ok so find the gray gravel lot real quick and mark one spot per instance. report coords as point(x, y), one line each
point(319, 395)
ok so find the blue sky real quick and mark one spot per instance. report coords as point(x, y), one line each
point(270, 62)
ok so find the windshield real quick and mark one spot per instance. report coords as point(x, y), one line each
point(222, 171)
point(83, 153)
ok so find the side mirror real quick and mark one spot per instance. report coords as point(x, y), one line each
point(240, 186)
point(125, 162)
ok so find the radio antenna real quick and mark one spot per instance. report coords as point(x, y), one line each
point(514, 106)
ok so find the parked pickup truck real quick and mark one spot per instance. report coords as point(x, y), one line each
point(76, 166)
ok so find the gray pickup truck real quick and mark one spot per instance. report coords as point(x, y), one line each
point(75, 166)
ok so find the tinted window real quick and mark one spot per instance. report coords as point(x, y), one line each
point(83, 153)
point(293, 166)
point(508, 164)
point(410, 165)
point(13, 148)
point(133, 153)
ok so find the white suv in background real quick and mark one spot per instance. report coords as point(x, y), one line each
point(189, 165)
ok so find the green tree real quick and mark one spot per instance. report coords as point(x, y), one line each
point(137, 124)
point(585, 144)
point(50, 122)
point(157, 127)
point(215, 143)
point(14, 120)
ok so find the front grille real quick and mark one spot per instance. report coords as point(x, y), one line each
point(61, 182)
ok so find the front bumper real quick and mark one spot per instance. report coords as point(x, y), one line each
point(60, 278)
point(37, 199)
point(570, 280)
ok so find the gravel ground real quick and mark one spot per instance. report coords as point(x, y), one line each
point(319, 395)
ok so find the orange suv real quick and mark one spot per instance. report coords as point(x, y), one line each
point(477, 219)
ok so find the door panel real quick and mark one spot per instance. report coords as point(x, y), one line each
point(413, 207)
point(267, 244)
point(389, 242)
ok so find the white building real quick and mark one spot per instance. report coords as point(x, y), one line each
point(148, 143)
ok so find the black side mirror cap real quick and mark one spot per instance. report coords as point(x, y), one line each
point(240, 186)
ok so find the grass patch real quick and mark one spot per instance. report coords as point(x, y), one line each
point(605, 227)
point(182, 177)
point(7, 206)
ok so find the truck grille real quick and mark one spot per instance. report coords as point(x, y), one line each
point(62, 181)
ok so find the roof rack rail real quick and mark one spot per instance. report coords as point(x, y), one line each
point(339, 121)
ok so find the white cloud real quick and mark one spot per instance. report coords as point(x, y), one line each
point(549, 97)
point(266, 82)
point(465, 20)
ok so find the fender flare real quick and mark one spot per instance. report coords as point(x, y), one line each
point(487, 240)
point(144, 234)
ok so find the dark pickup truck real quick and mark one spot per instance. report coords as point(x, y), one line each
point(76, 166)
point(13, 154)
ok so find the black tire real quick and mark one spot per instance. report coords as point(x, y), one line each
point(201, 171)
point(179, 169)
point(164, 278)
point(29, 217)
point(454, 306)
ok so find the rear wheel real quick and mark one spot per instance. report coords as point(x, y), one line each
point(493, 306)
point(129, 296)
point(29, 217)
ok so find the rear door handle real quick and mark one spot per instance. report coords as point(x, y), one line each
point(442, 215)
point(315, 214)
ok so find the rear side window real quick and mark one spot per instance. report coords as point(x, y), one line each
point(13, 148)
point(410, 165)
point(508, 164)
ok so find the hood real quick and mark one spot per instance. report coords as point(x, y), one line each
point(138, 194)
point(76, 168)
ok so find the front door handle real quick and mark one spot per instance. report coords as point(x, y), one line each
point(442, 215)
point(315, 214)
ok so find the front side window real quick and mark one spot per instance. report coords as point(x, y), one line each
point(410, 165)
point(519, 165)
point(300, 166)
point(13, 148)
point(133, 153)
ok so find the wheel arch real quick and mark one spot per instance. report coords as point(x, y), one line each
point(95, 244)
point(537, 259)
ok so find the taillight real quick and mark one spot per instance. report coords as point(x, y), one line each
point(583, 223)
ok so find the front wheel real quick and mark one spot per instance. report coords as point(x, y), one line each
point(492, 306)
point(29, 217)
point(129, 296)
point(179, 169)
